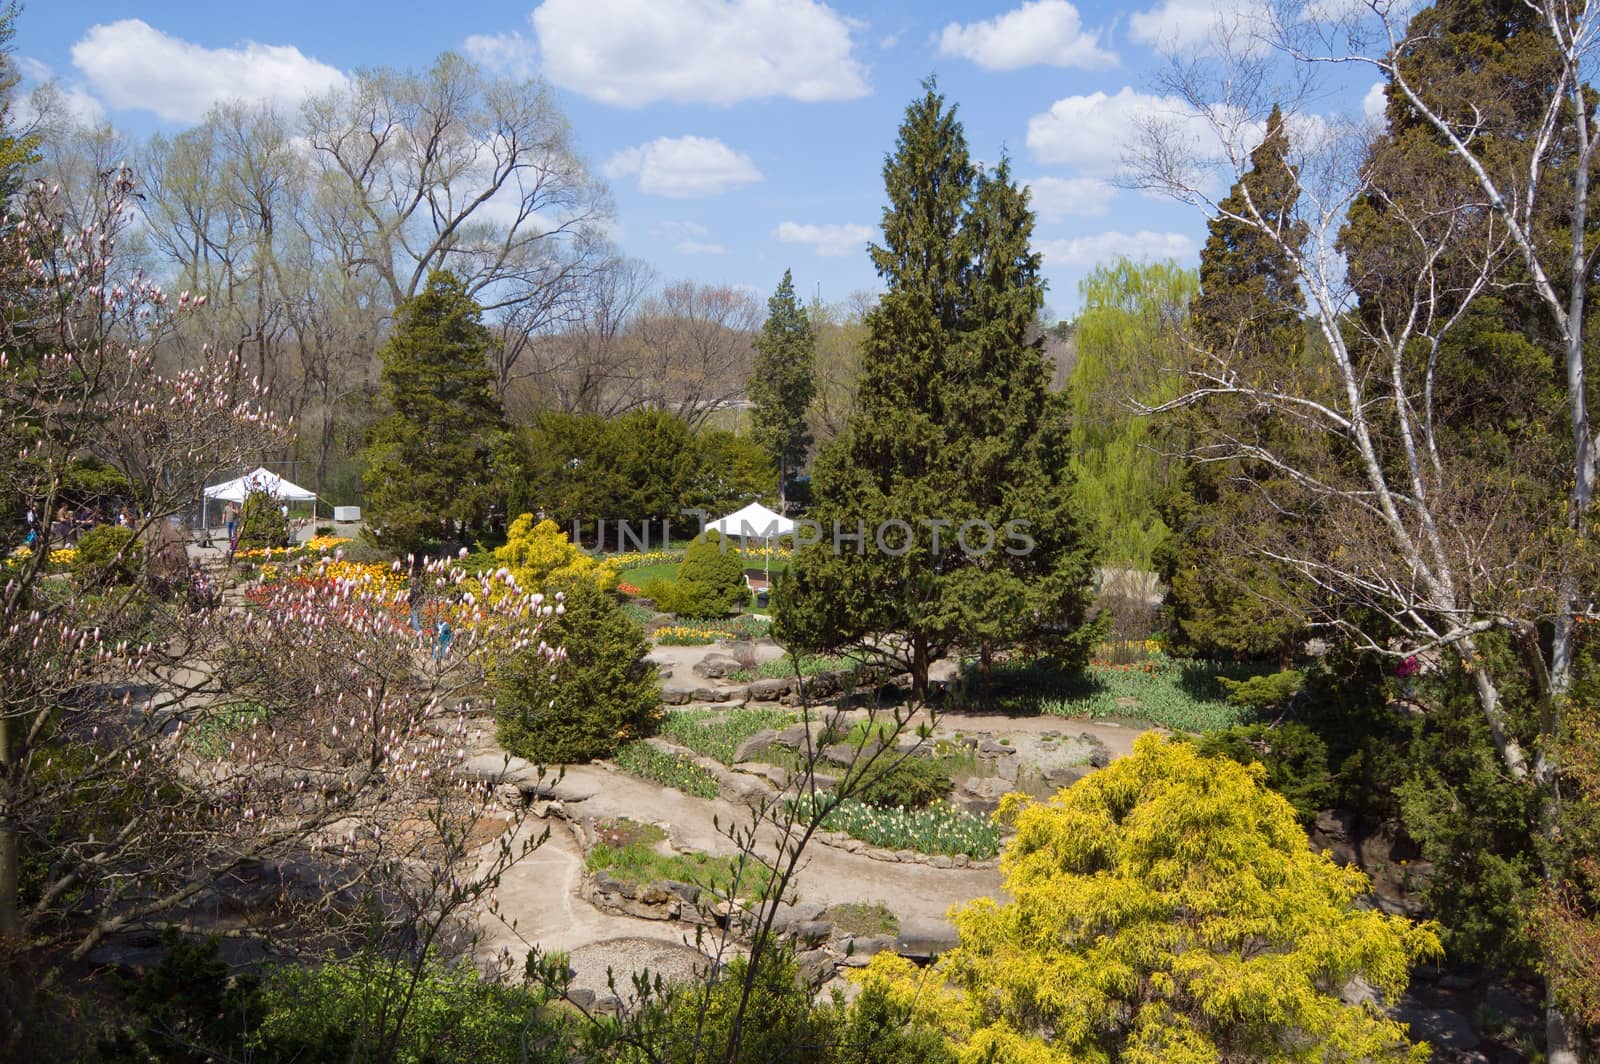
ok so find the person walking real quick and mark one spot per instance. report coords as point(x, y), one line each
point(230, 518)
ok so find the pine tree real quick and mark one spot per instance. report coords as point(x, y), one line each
point(955, 432)
point(428, 463)
point(1223, 599)
point(783, 383)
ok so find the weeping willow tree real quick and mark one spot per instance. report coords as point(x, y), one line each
point(1129, 339)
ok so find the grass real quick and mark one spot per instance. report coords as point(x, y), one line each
point(938, 829)
point(718, 735)
point(859, 918)
point(627, 852)
point(671, 770)
point(783, 668)
point(1177, 694)
point(667, 572)
point(637, 613)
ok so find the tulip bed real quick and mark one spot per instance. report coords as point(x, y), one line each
point(937, 829)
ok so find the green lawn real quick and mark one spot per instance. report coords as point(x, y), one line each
point(667, 571)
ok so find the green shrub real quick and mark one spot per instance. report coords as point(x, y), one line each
point(261, 523)
point(898, 781)
point(1295, 757)
point(107, 554)
point(711, 582)
point(603, 695)
point(1263, 694)
point(363, 1010)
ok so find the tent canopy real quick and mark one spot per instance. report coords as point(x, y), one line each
point(262, 479)
point(754, 521)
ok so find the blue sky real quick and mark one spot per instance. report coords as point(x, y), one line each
point(739, 137)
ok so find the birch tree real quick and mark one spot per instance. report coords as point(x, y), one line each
point(1395, 517)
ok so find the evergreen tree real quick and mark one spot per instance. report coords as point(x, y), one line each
point(1223, 598)
point(783, 383)
point(955, 433)
point(428, 463)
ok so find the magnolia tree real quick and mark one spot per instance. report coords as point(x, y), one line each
point(302, 736)
point(1424, 250)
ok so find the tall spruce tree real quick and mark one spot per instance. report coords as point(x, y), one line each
point(783, 383)
point(955, 433)
point(1224, 598)
point(428, 463)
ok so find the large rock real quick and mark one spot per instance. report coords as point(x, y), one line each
point(769, 690)
point(756, 747)
point(743, 790)
point(675, 696)
point(815, 967)
point(1065, 775)
point(924, 941)
point(773, 774)
point(708, 694)
point(715, 666)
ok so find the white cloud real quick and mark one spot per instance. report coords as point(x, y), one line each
point(1087, 251)
point(1093, 132)
point(683, 167)
point(1374, 102)
point(1181, 24)
point(503, 53)
point(634, 52)
point(1040, 32)
point(1057, 198)
point(826, 240)
point(134, 66)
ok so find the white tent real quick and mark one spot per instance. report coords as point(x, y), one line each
point(261, 479)
point(755, 522)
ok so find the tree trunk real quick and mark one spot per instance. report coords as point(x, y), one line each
point(10, 852)
point(919, 667)
point(1560, 1046)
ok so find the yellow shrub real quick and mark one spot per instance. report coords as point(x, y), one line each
point(540, 554)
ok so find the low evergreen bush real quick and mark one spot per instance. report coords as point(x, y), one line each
point(603, 695)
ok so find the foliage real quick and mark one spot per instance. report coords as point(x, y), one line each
point(718, 734)
point(364, 1009)
point(1265, 693)
point(429, 460)
point(369, 1010)
point(643, 468)
point(937, 829)
point(696, 1023)
point(1470, 825)
point(1167, 908)
point(692, 635)
point(954, 421)
point(1295, 757)
point(1223, 597)
point(603, 695)
point(1129, 339)
point(106, 554)
point(262, 525)
point(672, 770)
point(710, 583)
point(901, 782)
point(783, 383)
point(539, 555)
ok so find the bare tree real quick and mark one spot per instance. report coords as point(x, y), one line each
point(452, 170)
point(698, 347)
point(1390, 513)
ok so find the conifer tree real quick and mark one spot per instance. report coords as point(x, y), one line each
point(784, 382)
point(428, 462)
point(1223, 599)
point(955, 433)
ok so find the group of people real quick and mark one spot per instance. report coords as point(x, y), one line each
point(70, 524)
